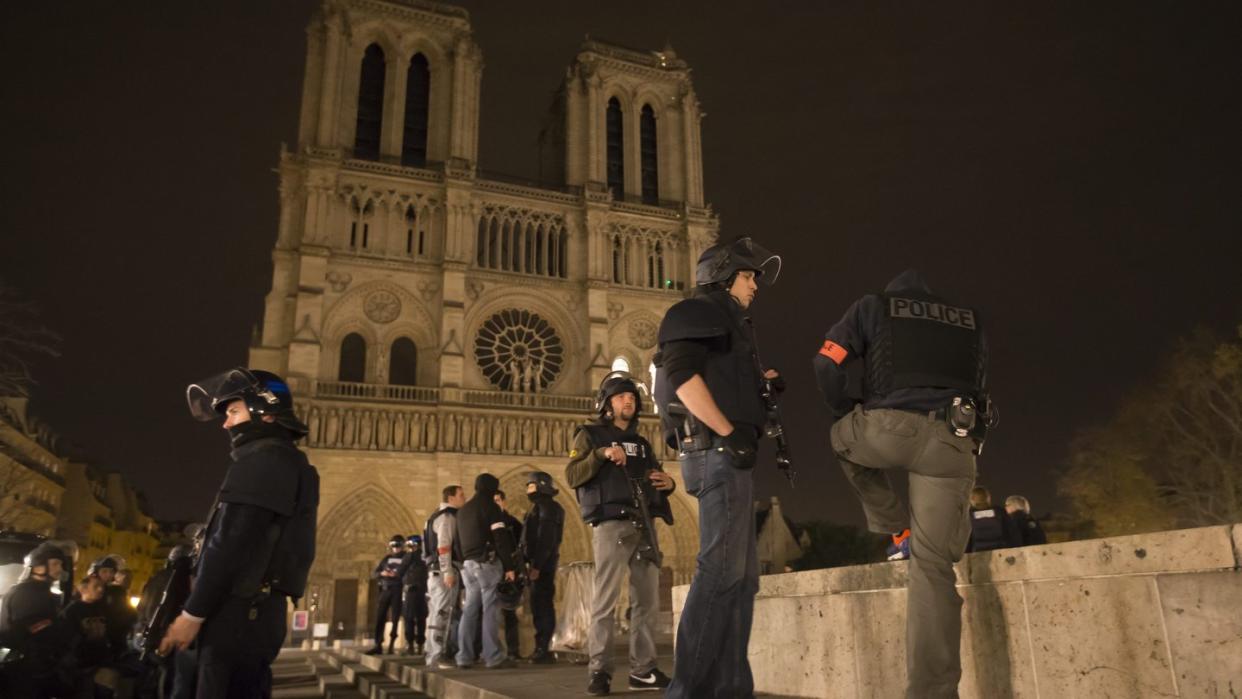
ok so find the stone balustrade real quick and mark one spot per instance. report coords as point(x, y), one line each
point(451, 427)
point(1151, 615)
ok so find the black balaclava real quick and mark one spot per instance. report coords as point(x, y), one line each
point(486, 484)
point(254, 429)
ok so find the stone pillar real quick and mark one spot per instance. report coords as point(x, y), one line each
point(330, 87)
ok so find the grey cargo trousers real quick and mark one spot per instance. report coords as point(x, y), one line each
point(872, 444)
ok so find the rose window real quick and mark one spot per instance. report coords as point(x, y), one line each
point(518, 351)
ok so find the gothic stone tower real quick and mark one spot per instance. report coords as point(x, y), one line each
point(436, 322)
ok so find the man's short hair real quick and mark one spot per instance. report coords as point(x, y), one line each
point(1018, 503)
point(980, 498)
point(501, 493)
point(448, 492)
point(87, 580)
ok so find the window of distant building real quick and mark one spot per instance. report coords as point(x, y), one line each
point(649, 156)
point(417, 106)
point(614, 131)
point(370, 104)
point(403, 363)
point(353, 364)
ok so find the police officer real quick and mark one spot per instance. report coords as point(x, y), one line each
point(541, 547)
point(621, 488)
point(905, 374)
point(388, 575)
point(414, 595)
point(709, 387)
point(260, 537)
point(509, 603)
point(29, 628)
point(1019, 510)
point(491, 556)
point(990, 527)
point(442, 552)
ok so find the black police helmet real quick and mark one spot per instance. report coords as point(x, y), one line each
point(264, 393)
point(44, 552)
point(396, 540)
point(180, 551)
point(414, 540)
point(543, 483)
point(613, 384)
point(720, 262)
point(510, 594)
point(105, 562)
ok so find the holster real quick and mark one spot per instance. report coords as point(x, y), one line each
point(692, 435)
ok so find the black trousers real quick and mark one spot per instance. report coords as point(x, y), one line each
point(236, 648)
point(415, 614)
point(542, 608)
point(389, 610)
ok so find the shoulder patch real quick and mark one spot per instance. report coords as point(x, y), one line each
point(573, 453)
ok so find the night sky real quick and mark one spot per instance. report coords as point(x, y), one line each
point(1073, 169)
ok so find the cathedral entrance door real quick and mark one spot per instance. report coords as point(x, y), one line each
point(345, 608)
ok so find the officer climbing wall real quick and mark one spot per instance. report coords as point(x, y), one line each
point(388, 576)
point(260, 538)
point(541, 546)
point(709, 387)
point(904, 372)
point(621, 487)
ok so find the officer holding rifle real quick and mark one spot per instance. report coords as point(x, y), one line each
point(621, 487)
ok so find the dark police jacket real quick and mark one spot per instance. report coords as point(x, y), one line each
point(904, 348)
point(482, 531)
point(29, 621)
point(541, 534)
point(391, 563)
point(990, 529)
point(603, 488)
point(1028, 527)
point(414, 570)
point(261, 532)
point(714, 325)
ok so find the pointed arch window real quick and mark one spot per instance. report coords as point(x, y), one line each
point(370, 104)
point(403, 363)
point(620, 363)
point(649, 156)
point(417, 105)
point(614, 132)
point(353, 364)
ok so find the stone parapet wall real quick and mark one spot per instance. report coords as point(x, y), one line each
point(1151, 615)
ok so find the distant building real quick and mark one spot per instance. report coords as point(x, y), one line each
point(85, 515)
point(436, 320)
point(32, 475)
point(780, 541)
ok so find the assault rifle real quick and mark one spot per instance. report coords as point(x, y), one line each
point(171, 601)
point(640, 516)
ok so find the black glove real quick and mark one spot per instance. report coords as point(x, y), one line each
point(778, 384)
point(742, 446)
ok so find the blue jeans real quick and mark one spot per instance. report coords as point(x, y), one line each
point(714, 632)
point(480, 581)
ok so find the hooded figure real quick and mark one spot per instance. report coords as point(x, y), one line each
point(491, 556)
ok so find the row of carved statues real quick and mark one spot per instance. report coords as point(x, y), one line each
point(431, 430)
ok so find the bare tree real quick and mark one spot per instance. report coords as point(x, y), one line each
point(14, 480)
point(22, 337)
point(1172, 453)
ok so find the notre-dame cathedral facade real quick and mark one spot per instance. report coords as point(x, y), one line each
point(436, 321)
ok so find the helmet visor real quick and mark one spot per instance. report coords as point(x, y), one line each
point(208, 397)
point(747, 254)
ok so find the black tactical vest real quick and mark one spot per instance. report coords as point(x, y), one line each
point(925, 342)
point(274, 474)
point(731, 372)
point(431, 554)
point(609, 495)
point(393, 564)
